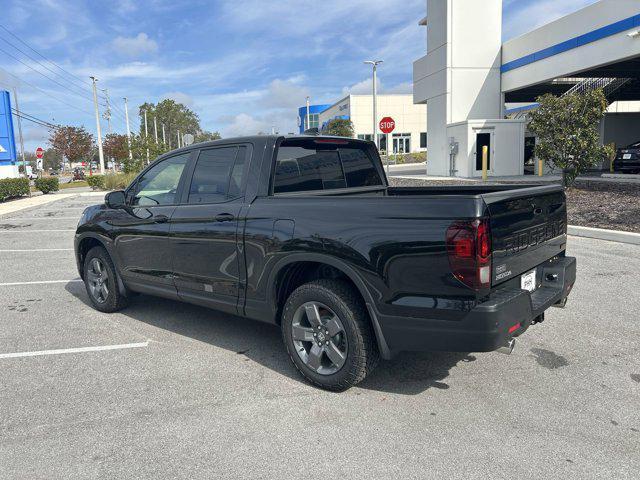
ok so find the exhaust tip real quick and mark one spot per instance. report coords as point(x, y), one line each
point(508, 348)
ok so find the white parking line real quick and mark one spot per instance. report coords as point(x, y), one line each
point(63, 351)
point(39, 250)
point(41, 282)
point(41, 218)
point(37, 231)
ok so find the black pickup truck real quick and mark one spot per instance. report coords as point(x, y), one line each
point(305, 232)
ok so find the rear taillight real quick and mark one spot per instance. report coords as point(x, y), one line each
point(469, 249)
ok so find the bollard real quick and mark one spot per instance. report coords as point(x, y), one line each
point(485, 162)
point(540, 167)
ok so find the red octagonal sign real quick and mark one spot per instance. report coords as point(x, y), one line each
point(39, 152)
point(387, 125)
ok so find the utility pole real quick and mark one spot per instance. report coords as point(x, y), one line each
point(146, 133)
point(375, 64)
point(107, 113)
point(164, 138)
point(178, 138)
point(126, 116)
point(95, 104)
point(155, 127)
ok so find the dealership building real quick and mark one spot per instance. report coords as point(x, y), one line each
point(478, 90)
point(409, 135)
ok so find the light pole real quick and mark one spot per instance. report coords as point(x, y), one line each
point(126, 116)
point(375, 64)
point(95, 103)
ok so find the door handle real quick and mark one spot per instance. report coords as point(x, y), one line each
point(225, 217)
point(160, 218)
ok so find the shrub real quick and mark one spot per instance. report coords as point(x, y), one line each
point(118, 181)
point(96, 182)
point(13, 187)
point(47, 184)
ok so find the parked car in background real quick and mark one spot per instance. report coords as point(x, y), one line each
point(78, 174)
point(306, 233)
point(628, 159)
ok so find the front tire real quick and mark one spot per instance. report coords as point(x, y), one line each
point(101, 282)
point(328, 334)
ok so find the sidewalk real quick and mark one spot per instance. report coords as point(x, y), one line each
point(38, 199)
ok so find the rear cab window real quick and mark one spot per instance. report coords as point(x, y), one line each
point(306, 165)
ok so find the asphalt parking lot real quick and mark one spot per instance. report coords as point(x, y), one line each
point(166, 390)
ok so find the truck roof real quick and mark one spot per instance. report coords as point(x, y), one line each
point(253, 138)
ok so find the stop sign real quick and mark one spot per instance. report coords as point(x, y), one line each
point(39, 152)
point(387, 125)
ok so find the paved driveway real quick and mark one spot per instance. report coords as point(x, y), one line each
point(165, 390)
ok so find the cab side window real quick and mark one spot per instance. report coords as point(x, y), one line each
point(218, 175)
point(159, 184)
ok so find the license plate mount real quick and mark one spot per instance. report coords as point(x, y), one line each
point(528, 281)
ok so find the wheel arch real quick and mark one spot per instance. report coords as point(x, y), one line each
point(288, 270)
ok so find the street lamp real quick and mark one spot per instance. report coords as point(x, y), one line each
point(374, 63)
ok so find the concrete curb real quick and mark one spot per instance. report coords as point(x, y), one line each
point(602, 234)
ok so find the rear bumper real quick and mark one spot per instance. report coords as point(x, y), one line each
point(489, 325)
point(626, 165)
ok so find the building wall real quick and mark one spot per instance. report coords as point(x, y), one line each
point(409, 117)
point(507, 144)
point(573, 36)
point(314, 112)
point(459, 78)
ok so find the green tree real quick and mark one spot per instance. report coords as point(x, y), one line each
point(174, 116)
point(567, 130)
point(205, 136)
point(52, 159)
point(339, 128)
point(139, 146)
point(72, 143)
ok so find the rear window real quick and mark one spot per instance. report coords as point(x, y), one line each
point(306, 165)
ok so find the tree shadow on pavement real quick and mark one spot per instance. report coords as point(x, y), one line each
point(407, 373)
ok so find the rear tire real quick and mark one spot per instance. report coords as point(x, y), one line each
point(328, 334)
point(101, 281)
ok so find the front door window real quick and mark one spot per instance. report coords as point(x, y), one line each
point(401, 143)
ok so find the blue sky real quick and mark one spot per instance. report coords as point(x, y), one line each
point(242, 65)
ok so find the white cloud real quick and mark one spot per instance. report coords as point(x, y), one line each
point(285, 94)
point(519, 20)
point(179, 97)
point(135, 46)
point(405, 87)
point(362, 88)
point(244, 124)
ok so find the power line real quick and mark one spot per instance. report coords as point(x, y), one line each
point(75, 85)
point(42, 56)
point(46, 76)
point(46, 93)
point(30, 118)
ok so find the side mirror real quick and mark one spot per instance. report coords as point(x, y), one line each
point(115, 199)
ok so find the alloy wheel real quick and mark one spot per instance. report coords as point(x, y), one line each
point(319, 338)
point(98, 280)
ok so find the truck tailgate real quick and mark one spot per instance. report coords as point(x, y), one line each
point(528, 227)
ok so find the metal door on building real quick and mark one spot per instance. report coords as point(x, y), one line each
point(483, 138)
